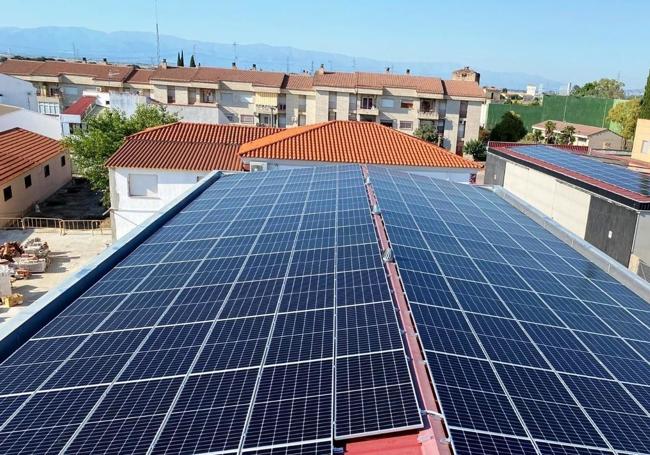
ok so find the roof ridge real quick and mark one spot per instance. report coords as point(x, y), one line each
point(286, 134)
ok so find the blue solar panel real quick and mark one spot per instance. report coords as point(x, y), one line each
point(258, 319)
point(531, 349)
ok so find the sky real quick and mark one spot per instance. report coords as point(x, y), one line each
point(569, 40)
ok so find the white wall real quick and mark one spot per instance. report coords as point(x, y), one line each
point(128, 211)
point(35, 122)
point(16, 92)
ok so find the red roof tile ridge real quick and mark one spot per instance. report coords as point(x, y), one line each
point(281, 136)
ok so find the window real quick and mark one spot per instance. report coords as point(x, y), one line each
point(302, 103)
point(645, 147)
point(302, 119)
point(388, 123)
point(366, 102)
point(143, 185)
point(406, 104)
point(248, 119)
point(48, 108)
point(405, 125)
point(46, 170)
point(245, 98)
point(207, 95)
point(28, 181)
point(387, 102)
point(7, 193)
point(331, 115)
point(426, 105)
point(191, 95)
point(353, 102)
point(461, 129)
point(171, 95)
point(463, 109)
point(227, 98)
point(332, 100)
point(62, 160)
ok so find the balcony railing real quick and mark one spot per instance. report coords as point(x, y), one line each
point(430, 114)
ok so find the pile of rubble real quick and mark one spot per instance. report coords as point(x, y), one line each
point(18, 262)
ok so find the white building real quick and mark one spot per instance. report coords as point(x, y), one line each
point(16, 117)
point(17, 92)
point(594, 137)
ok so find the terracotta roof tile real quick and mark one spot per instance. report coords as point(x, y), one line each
point(187, 146)
point(80, 106)
point(582, 130)
point(22, 150)
point(352, 142)
point(463, 88)
point(215, 75)
point(140, 76)
point(54, 68)
point(298, 82)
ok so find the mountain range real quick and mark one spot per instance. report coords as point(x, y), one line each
point(140, 48)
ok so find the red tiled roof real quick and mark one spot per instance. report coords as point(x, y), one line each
point(298, 82)
point(140, 76)
point(581, 130)
point(22, 150)
point(187, 146)
point(352, 142)
point(214, 75)
point(80, 106)
point(97, 71)
point(463, 88)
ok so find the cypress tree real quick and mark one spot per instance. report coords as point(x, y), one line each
point(182, 59)
point(644, 111)
point(192, 62)
point(178, 59)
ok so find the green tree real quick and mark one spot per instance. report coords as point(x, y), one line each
point(192, 62)
point(475, 148)
point(103, 135)
point(567, 135)
point(644, 111)
point(509, 129)
point(602, 88)
point(180, 59)
point(626, 115)
point(549, 132)
point(427, 132)
point(535, 136)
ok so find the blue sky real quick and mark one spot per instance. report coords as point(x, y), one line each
point(570, 40)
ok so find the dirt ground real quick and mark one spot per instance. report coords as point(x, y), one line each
point(68, 253)
point(74, 201)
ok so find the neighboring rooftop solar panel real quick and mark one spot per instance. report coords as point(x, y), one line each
point(626, 184)
point(259, 319)
point(531, 347)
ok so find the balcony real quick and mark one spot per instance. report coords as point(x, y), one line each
point(428, 114)
point(369, 110)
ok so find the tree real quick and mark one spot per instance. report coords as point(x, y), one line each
point(602, 88)
point(192, 62)
point(103, 135)
point(626, 115)
point(535, 136)
point(427, 132)
point(644, 111)
point(567, 135)
point(509, 129)
point(483, 134)
point(549, 132)
point(475, 148)
point(180, 59)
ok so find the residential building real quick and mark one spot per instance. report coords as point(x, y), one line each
point(341, 141)
point(155, 166)
point(32, 167)
point(466, 74)
point(17, 92)
point(254, 97)
point(333, 310)
point(17, 117)
point(593, 137)
point(74, 117)
point(603, 203)
point(641, 147)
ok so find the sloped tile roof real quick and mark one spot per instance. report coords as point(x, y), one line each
point(187, 146)
point(581, 130)
point(352, 142)
point(97, 71)
point(22, 150)
point(80, 106)
point(463, 88)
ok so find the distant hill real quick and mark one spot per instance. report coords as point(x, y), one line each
point(140, 48)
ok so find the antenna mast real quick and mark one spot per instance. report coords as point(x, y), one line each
point(157, 36)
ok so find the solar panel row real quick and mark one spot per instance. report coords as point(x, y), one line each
point(530, 347)
point(259, 319)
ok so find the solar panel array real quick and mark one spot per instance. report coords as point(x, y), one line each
point(606, 173)
point(532, 348)
point(258, 320)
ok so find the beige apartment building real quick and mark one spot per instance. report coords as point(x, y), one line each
point(254, 97)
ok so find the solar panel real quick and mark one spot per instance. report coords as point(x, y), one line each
point(258, 320)
point(529, 346)
point(619, 176)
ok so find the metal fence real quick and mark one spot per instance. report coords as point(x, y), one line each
point(54, 225)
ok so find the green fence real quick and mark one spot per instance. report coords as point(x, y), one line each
point(574, 109)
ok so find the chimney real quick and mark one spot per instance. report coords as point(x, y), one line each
point(163, 64)
point(408, 71)
point(83, 59)
point(321, 70)
point(254, 68)
point(104, 61)
point(388, 69)
point(233, 65)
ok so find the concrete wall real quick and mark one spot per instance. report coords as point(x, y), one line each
point(31, 121)
point(606, 140)
point(495, 170)
point(641, 247)
point(611, 228)
point(16, 92)
point(42, 187)
point(641, 136)
point(128, 211)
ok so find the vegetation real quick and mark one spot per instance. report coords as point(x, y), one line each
point(476, 148)
point(427, 132)
point(603, 88)
point(549, 132)
point(103, 135)
point(644, 110)
point(509, 129)
point(483, 134)
point(192, 62)
point(567, 135)
point(626, 115)
point(534, 136)
point(180, 59)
